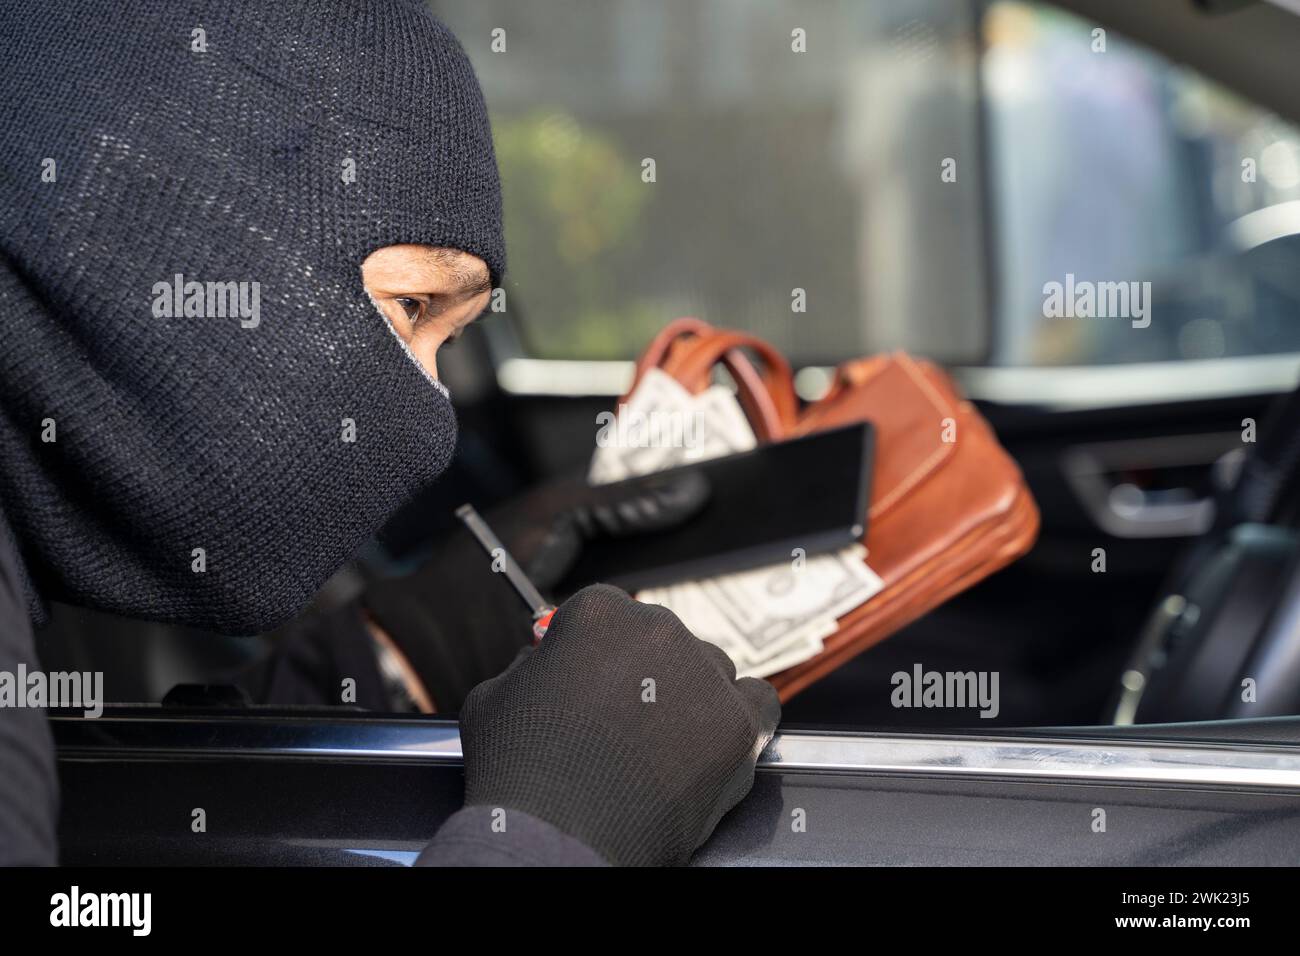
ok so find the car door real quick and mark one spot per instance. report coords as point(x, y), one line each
point(145, 788)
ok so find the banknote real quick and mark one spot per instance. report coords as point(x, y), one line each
point(767, 619)
point(769, 605)
point(630, 448)
point(662, 425)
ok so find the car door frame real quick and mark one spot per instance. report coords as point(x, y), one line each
point(347, 788)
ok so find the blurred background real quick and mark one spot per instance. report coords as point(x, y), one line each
point(821, 171)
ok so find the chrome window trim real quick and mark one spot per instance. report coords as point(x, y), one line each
point(1057, 387)
point(437, 743)
point(1090, 760)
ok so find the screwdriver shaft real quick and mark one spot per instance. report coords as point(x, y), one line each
point(493, 546)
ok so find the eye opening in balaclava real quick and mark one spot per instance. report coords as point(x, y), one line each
point(442, 389)
point(201, 415)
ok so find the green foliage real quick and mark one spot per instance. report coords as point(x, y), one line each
point(573, 209)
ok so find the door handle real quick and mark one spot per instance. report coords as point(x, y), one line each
point(1171, 510)
point(1125, 510)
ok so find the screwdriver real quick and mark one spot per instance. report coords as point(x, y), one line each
point(541, 608)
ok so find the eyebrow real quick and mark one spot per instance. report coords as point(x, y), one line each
point(466, 280)
point(470, 284)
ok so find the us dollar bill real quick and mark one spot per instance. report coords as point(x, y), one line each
point(772, 607)
point(767, 619)
point(662, 425)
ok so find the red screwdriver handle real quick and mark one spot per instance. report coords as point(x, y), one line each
point(541, 623)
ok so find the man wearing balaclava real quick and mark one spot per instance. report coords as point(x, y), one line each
point(206, 406)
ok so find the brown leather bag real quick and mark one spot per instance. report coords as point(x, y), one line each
point(944, 514)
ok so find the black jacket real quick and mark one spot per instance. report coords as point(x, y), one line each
point(29, 789)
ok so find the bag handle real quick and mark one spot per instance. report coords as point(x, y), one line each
point(768, 397)
point(674, 333)
point(687, 348)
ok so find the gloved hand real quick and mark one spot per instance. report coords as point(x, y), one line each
point(621, 729)
point(458, 622)
point(546, 529)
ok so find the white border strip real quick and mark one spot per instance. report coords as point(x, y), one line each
point(1143, 383)
point(1058, 387)
point(1090, 760)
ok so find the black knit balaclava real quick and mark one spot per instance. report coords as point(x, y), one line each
point(212, 464)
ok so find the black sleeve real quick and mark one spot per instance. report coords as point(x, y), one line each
point(29, 787)
point(487, 836)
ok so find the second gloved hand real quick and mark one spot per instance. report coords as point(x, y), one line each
point(459, 622)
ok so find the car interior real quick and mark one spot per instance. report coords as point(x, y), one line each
point(1163, 145)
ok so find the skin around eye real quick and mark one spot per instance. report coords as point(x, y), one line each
point(427, 295)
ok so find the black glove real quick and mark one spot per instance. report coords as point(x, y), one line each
point(621, 729)
point(458, 622)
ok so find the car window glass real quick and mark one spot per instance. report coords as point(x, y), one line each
point(1119, 175)
point(774, 166)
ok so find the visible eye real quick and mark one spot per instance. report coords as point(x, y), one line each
point(413, 308)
